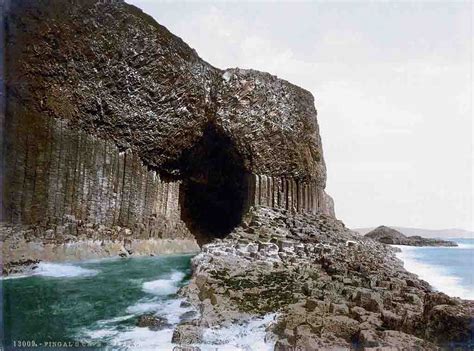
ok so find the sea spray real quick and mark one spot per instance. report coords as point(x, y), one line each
point(442, 267)
point(164, 286)
point(93, 302)
point(61, 270)
point(248, 335)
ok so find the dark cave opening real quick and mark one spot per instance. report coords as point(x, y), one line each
point(213, 189)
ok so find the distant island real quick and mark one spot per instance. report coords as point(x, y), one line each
point(425, 233)
point(387, 235)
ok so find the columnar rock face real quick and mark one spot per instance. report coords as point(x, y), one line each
point(72, 174)
point(288, 193)
point(112, 120)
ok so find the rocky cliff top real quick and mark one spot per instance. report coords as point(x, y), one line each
point(110, 69)
point(387, 235)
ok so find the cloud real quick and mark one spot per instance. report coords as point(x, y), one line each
point(392, 89)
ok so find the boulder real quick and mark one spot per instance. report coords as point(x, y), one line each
point(391, 340)
point(391, 320)
point(450, 324)
point(152, 322)
point(341, 326)
point(368, 299)
point(187, 334)
point(341, 309)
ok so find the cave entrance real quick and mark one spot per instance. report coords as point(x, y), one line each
point(213, 190)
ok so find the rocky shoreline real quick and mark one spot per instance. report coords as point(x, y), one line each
point(324, 286)
point(22, 249)
point(330, 288)
point(121, 140)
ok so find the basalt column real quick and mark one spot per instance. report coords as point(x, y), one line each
point(115, 128)
point(288, 193)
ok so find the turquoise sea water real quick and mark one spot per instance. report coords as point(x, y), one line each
point(97, 304)
point(447, 269)
point(67, 304)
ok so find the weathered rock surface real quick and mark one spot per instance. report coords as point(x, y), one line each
point(113, 121)
point(331, 288)
point(152, 322)
point(118, 136)
point(23, 250)
point(387, 235)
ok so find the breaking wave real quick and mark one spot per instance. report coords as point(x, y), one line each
point(164, 286)
point(245, 336)
point(439, 277)
point(61, 270)
point(465, 246)
point(249, 336)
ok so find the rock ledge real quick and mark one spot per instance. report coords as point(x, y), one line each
point(330, 288)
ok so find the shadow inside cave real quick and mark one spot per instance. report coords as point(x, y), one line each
point(214, 188)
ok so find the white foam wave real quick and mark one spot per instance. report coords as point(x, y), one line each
point(438, 277)
point(144, 307)
point(169, 309)
point(138, 337)
point(115, 320)
point(464, 246)
point(143, 339)
point(61, 270)
point(98, 334)
point(172, 310)
point(164, 286)
point(15, 276)
point(247, 336)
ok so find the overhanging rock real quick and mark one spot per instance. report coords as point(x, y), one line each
point(108, 112)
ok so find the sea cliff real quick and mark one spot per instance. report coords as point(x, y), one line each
point(116, 129)
point(120, 139)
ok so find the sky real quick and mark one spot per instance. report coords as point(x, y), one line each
point(392, 83)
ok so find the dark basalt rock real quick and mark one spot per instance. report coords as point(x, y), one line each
point(153, 322)
point(14, 267)
point(113, 71)
point(332, 289)
point(387, 235)
point(111, 119)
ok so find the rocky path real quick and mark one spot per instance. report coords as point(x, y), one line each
point(330, 288)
